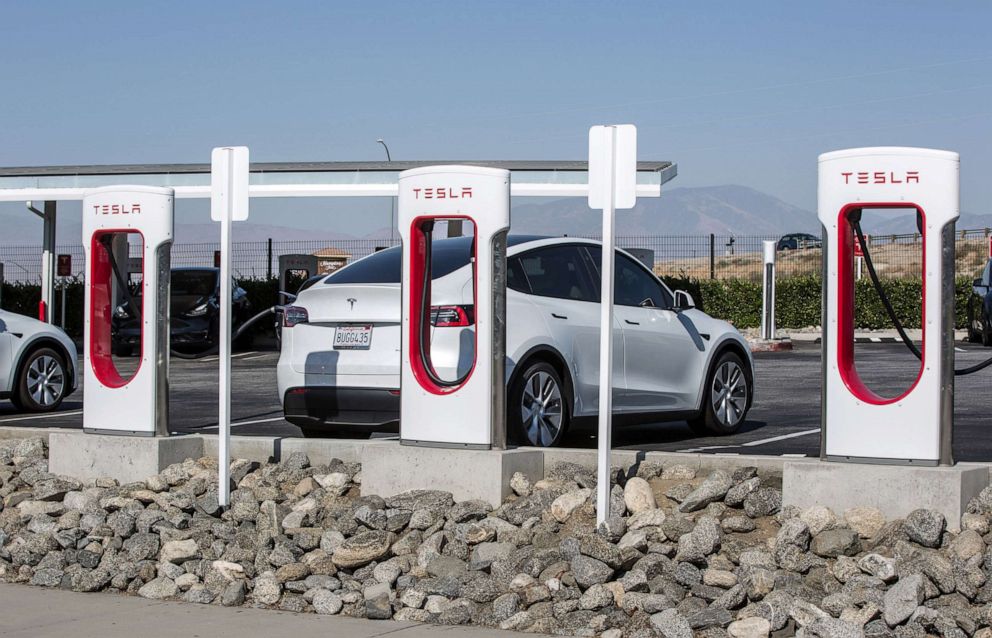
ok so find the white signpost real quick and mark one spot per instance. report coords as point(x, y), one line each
point(612, 185)
point(228, 203)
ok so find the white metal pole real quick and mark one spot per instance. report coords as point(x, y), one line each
point(62, 322)
point(605, 439)
point(224, 336)
point(859, 259)
point(768, 293)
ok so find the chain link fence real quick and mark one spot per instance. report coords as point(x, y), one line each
point(693, 256)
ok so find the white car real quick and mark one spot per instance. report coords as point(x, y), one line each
point(671, 361)
point(37, 363)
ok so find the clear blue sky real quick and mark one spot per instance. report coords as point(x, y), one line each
point(745, 93)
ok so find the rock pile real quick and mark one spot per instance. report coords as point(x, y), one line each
point(678, 556)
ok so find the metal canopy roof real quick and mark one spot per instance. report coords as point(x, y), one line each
point(531, 178)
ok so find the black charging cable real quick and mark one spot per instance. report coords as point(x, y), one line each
point(855, 220)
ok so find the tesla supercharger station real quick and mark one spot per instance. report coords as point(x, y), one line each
point(858, 424)
point(468, 412)
point(114, 403)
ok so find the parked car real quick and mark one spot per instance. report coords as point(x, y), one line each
point(799, 241)
point(980, 308)
point(37, 363)
point(195, 313)
point(672, 361)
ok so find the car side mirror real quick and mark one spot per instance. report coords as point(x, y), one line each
point(683, 301)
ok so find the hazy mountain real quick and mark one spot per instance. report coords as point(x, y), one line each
point(722, 210)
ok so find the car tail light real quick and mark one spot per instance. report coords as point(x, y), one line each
point(452, 316)
point(292, 315)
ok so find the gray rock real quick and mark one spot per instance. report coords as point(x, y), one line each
point(158, 589)
point(924, 527)
point(142, 547)
point(363, 548)
point(505, 606)
point(710, 617)
point(200, 595)
point(902, 599)
point(736, 495)
point(179, 551)
point(712, 489)
point(234, 594)
point(671, 624)
point(836, 542)
point(833, 628)
point(704, 539)
point(377, 602)
point(433, 500)
point(47, 577)
point(763, 502)
point(878, 566)
point(589, 571)
point(738, 524)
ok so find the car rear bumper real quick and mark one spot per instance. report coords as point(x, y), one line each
point(358, 408)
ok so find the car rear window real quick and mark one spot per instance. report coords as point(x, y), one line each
point(384, 266)
point(194, 282)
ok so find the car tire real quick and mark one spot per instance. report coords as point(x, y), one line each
point(537, 409)
point(42, 381)
point(725, 411)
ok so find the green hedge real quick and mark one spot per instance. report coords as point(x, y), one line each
point(797, 301)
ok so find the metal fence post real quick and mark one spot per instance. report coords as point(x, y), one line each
point(712, 256)
point(270, 259)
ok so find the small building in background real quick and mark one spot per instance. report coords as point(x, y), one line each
point(330, 259)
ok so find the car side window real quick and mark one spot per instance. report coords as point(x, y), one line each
point(633, 285)
point(556, 271)
point(987, 274)
point(515, 277)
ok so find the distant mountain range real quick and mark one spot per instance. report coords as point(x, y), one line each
point(721, 210)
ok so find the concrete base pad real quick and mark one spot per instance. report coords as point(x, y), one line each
point(125, 458)
point(896, 490)
point(391, 468)
point(770, 345)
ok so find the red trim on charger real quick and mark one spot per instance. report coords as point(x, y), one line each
point(418, 254)
point(101, 286)
point(845, 304)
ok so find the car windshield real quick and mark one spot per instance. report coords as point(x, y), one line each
point(384, 266)
point(193, 283)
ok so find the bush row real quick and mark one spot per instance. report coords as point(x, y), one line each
point(797, 301)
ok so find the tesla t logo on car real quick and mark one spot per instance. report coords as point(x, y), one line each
point(465, 192)
point(117, 209)
point(881, 177)
point(351, 302)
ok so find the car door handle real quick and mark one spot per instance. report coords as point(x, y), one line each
point(633, 323)
point(557, 316)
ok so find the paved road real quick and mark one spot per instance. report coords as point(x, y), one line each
point(34, 612)
point(785, 418)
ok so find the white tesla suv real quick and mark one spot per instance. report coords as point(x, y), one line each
point(339, 369)
point(37, 363)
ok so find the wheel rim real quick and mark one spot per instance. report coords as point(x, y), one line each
point(541, 409)
point(728, 395)
point(46, 380)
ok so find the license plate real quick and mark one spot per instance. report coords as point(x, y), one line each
point(353, 337)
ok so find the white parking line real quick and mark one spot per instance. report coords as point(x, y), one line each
point(213, 426)
point(53, 415)
point(754, 443)
point(258, 356)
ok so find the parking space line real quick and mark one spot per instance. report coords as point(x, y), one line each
point(258, 356)
point(53, 415)
point(753, 443)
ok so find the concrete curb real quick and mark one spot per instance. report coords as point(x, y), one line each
point(770, 345)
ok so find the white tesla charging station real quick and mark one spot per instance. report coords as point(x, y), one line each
point(468, 412)
point(858, 424)
point(114, 404)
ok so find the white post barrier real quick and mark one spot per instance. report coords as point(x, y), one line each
point(228, 203)
point(612, 185)
point(768, 293)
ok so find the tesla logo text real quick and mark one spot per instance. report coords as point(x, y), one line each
point(351, 301)
point(465, 192)
point(882, 177)
point(117, 209)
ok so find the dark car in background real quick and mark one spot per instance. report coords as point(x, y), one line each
point(980, 308)
point(194, 309)
point(799, 241)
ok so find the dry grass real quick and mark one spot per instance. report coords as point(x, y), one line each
point(893, 261)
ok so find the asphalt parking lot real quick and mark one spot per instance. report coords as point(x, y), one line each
point(785, 419)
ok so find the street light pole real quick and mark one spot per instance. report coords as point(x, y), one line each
point(392, 200)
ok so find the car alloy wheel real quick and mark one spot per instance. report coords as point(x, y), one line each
point(541, 409)
point(45, 380)
point(728, 394)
